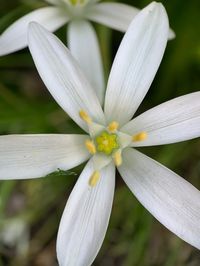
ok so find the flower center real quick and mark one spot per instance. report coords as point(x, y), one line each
point(76, 2)
point(106, 142)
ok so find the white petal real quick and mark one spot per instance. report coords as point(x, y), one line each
point(171, 35)
point(173, 121)
point(124, 139)
point(32, 156)
point(15, 37)
point(95, 129)
point(136, 63)
point(83, 43)
point(117, 16)
point(85, 218)
point(114, 15)
point(100, 161)
point(170, 198)
point(62, 76)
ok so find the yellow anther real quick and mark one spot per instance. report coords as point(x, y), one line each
point(85, 117)
point(113, 126)
point(117, 156)
point(90, 146)
point(94, 178)
point(140, 136)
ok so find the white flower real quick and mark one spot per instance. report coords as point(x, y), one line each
point(111, 136)
point(82, 39)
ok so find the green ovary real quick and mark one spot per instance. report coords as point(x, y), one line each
point(106, 142)
point(76, 2)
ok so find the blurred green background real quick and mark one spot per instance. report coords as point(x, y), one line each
point(30, 210)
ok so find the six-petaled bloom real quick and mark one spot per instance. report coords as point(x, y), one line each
point(111, 138)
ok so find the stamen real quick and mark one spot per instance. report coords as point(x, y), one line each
point(140, 136)
point(85, 117)
point(94, 178)
point(90, 146)
point(113, 126)
point(117, 156)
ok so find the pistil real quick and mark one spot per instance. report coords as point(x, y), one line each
point(106, 143)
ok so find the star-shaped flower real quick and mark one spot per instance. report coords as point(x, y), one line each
point(111, 139)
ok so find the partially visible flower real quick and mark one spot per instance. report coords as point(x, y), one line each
point(15, 234)
point(110, 140)
point(82, 39)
